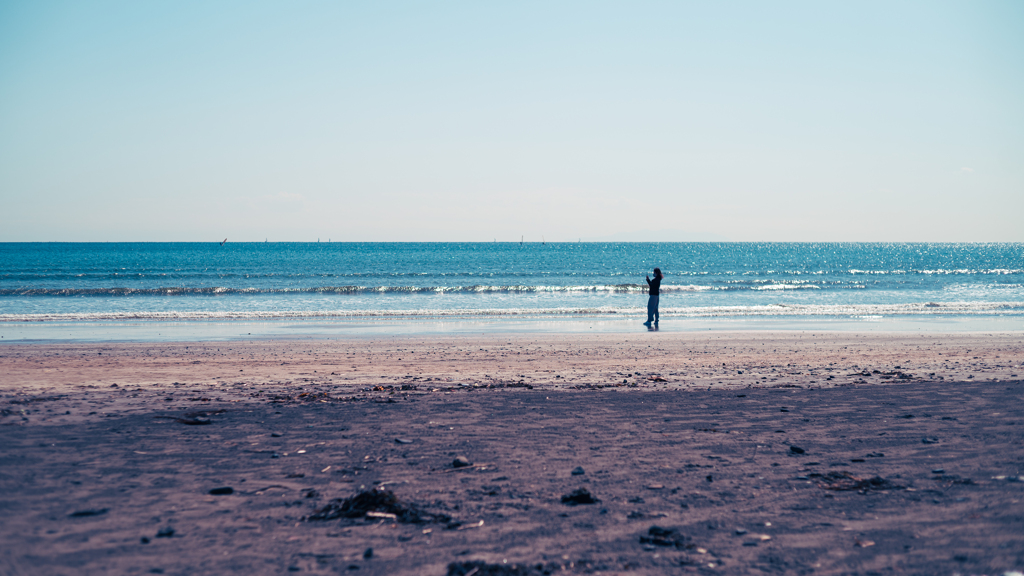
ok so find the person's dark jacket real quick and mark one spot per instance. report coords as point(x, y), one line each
point(654, 285)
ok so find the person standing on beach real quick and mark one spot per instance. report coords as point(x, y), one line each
point(654, 291)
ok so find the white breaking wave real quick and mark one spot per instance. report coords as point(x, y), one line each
point(841, 310)
point(787, 287)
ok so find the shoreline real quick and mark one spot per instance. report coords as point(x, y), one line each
point(272, 329)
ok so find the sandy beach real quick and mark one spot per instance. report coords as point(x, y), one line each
point(731, 453)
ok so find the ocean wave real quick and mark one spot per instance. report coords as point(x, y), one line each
point(837, 310)
point(941, 271)
point(786, 287)
point(474, 289)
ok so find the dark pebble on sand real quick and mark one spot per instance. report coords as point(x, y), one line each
point(939, 471)
point(740, 531)
point(930, 440)
point(166, 532)
point(461, 462)
point(275, 434)
point(144, 540)
point(796, 450)
point(368, 554)
point(403, 441)
point(709, 478)
point(222, 491)
point(578, 471)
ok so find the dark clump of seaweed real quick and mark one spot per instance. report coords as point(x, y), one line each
point(847, 481)
point(579, 496)
point(378, 503)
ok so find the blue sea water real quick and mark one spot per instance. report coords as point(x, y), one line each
point(48, 282)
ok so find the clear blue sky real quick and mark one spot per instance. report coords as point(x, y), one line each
point(846, 121)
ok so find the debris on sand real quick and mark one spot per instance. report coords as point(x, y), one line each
point(659, 536)
point(479, 568)
point(579, 496)
point(578, 471)
point(377, 503)
point(638, 515)
point(846, 481)
point(222, 491)
point(461, 462)
point(796, 450)
point(188, 421)
point(87, 513)
point(199, 418)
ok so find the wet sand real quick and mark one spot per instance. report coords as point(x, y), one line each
point(834, 453)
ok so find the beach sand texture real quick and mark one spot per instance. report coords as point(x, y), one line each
point(724, 453)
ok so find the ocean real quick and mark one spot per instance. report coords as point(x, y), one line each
point(184, 282)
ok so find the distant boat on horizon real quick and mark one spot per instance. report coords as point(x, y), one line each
point(225, 240)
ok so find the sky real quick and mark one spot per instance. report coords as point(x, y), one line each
point(474, 121)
